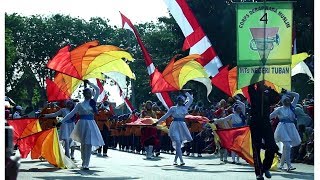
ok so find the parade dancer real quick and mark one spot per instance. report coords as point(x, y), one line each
point(178, 131)
point(66, 128)
point(86, 130)
point(236, 119)
point(286, 131)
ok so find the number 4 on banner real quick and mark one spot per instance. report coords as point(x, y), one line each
point(264, 18)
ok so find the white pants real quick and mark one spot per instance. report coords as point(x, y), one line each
point(85, 154)
point(178, 152)
point(223, 154)
point(234, 155)
point(286, 154)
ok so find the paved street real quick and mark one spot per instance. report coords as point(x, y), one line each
point(124, 165)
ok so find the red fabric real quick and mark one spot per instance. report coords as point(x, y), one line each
point(133, 118)
point(142, 122)
point(26, 144)
point(20, 126)
point(159, 84)
point(200, 119)
point(221, 80)
point(54, 93)
point(149, 134)
point(310, 110)
point(218, 113)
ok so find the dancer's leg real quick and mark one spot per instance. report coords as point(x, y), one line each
point(67, 148)
point(178, 151)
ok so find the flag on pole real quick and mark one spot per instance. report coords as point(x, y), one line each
point(163, 96)
point(196, 40)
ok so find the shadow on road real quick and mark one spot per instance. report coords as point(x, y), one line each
point(294, 175)
point(51, 169)
point(81, 177)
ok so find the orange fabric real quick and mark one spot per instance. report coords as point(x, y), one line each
point(26, 144)
point(237, 140)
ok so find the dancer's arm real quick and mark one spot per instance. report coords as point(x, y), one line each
point(274, 114)
point(96, 91)
point(52, 115)
point(295, 98)
point(243, 106)
point(227, 118)
point(190, 100)
point(164, 117)
point(71, 114)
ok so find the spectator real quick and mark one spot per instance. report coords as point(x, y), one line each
point(18, 112)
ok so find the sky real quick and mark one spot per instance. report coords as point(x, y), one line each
point(138, 11)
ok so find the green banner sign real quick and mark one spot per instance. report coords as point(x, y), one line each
point(264, 41)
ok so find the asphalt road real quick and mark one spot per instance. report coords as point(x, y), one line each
point(125, 165)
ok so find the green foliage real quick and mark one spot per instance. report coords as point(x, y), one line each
point(31, 41)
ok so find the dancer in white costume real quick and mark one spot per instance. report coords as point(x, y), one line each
point(66, 128)
point(286, 131)
point(237, 118)
point(178, 130)
point(86, 130)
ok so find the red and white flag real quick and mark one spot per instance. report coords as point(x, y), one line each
point(125, 99)
point(163, 96)
point(196, 40)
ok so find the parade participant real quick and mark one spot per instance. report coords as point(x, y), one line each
point(104, 124)
point(237, 119)
point(50, 122)
point(262, 98)
point(286, 131)
point(66, 128)
point(148, 134)
point(220, 113)
point(178, 130)
point(18, 112)
point(86, 130)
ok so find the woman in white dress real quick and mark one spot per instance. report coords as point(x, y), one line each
point(66, 128)
point(237, 119)
point(286, 131)
point(86, 130)
point(178, 130)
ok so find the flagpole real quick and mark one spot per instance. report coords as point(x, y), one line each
point(263, 61)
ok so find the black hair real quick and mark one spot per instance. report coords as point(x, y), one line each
point(93, 104)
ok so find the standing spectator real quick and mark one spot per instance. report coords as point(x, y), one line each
point(17, 112)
